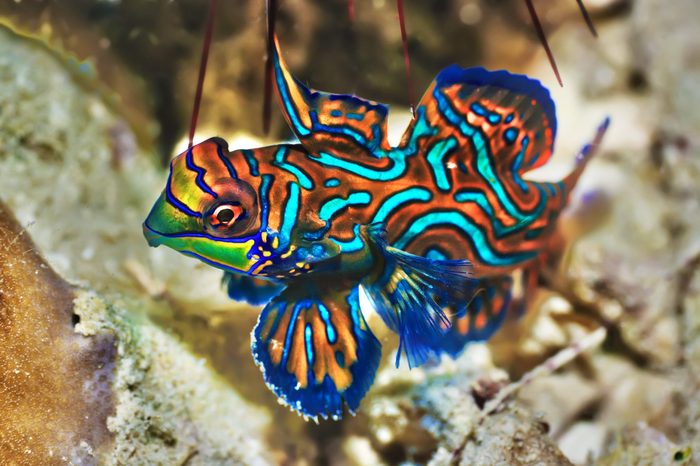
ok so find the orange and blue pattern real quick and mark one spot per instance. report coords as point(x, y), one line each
point(429, 230)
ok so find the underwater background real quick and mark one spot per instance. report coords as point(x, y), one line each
point(115, 353)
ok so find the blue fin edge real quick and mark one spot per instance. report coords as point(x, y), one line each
point(324, 400)
point(478, 76)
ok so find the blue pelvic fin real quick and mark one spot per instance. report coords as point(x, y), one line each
point(251, 290)
point(479, 319)
point(315, 349)
point(404, 292)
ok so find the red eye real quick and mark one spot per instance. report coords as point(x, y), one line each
point(225, 215)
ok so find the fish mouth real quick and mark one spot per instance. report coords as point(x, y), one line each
point(230, 255)
point(153, 238)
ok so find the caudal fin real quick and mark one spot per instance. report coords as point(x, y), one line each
point(585, 155)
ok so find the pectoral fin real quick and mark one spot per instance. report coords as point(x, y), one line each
point(315, 349)
point(403, 293)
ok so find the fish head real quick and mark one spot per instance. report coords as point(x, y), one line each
point(206, 211)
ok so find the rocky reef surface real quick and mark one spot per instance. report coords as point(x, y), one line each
point(113, 353)
point(84, 381)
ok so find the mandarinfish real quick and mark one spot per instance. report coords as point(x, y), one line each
point(429, 230)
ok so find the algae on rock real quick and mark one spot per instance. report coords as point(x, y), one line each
point(169, 406)
point(55, 392)
point(84, 382)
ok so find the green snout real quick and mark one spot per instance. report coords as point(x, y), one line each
point(169, 226)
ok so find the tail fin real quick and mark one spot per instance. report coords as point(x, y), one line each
point(585, 155)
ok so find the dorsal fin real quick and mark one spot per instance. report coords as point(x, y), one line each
point(514, 114)
point(330, 122)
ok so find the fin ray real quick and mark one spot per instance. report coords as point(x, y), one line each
point(323, 121)
point(316, 350)
point(403, 295)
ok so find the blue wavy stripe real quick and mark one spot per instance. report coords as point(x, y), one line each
point(479, 198)
point(397, 155)
point(302, 177)
point(517, 163)
point(251, 161)
point(265, 201)
point(483, 159)
point(199, 179)
point(308, 341)
point(435, 158)
point(331, 335)
point(399, 199)
point(472, 231)
point(291, 110)
point(289, 336)
point(291, 210)
point(353, 245)
point(336, 204)
point(395, 171)
point(225, 160)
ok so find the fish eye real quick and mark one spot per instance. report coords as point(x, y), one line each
point(227, 220)
point(226, 214)
point(233, 213)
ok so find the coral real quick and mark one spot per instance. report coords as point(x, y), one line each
point(643, 446)
point(54, 383)
point(84, 381)
point(688, 407)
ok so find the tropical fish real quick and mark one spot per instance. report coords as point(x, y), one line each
point(428, 231)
